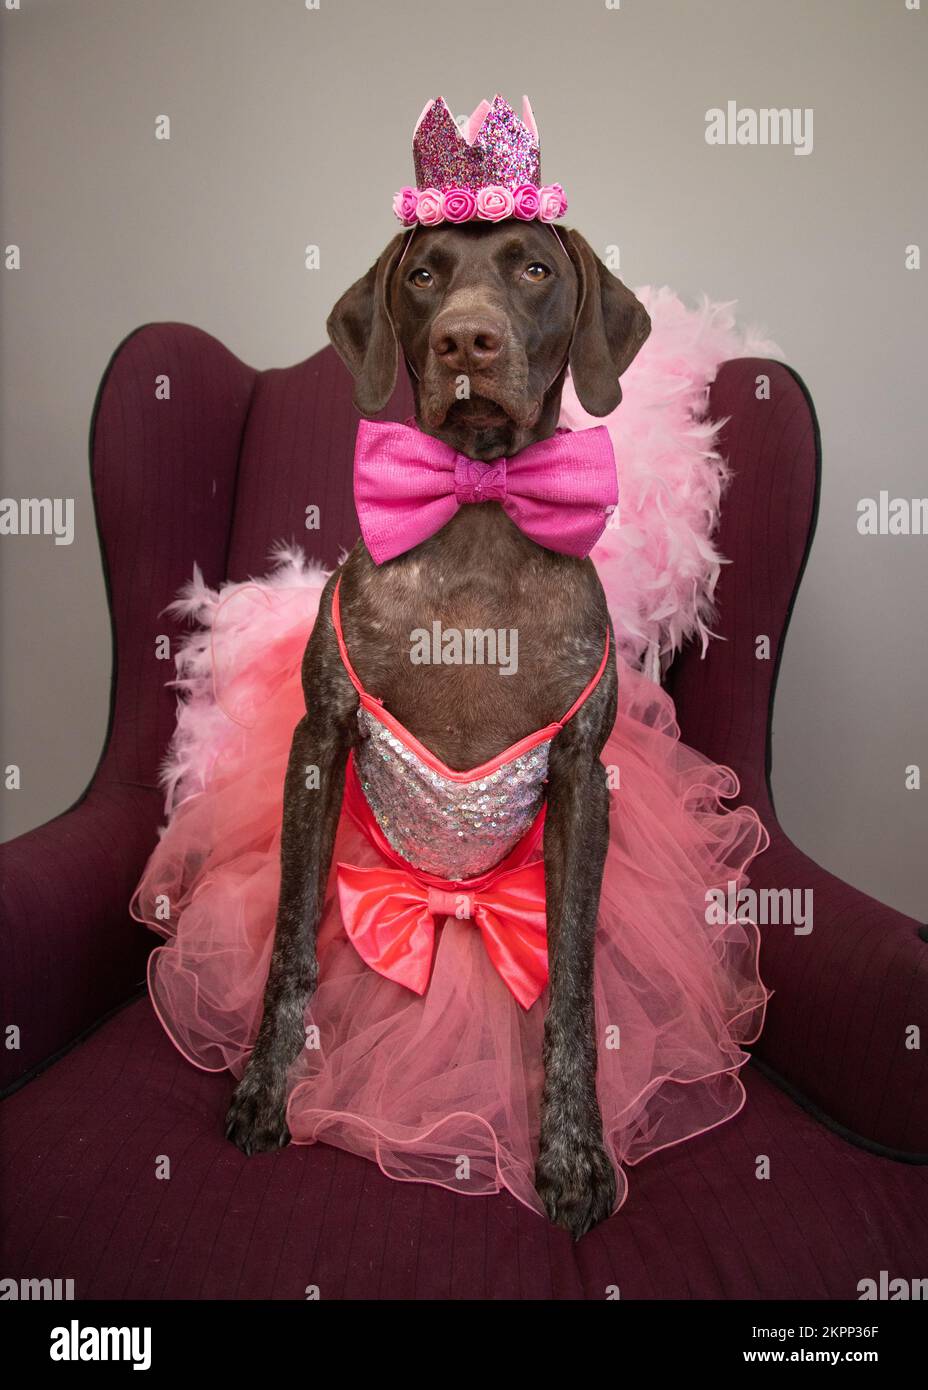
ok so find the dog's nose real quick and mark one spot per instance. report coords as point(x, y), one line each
point(466, 342)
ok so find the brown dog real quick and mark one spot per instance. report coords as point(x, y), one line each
point(507, 306)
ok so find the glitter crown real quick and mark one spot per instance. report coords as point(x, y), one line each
point(490, 169)
point(495, 147)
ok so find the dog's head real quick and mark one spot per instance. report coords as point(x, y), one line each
point(488, 316)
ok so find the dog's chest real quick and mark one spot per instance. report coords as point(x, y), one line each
point(478, 638)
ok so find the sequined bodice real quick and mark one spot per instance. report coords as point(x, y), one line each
point(443, 826)
point(454, 825)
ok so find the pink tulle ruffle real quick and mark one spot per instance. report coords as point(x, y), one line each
point(445, 1088)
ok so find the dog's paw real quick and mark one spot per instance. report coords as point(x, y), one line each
point(576, 1181)
point(257, 1118)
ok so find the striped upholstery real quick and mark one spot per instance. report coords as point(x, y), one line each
point(85, 1138)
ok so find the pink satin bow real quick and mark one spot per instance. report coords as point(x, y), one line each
point(389, 917)
point(408, 485)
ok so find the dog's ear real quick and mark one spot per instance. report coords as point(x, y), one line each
point(610, 327)
point(362, 332)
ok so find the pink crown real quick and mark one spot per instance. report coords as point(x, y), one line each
point(491, 170)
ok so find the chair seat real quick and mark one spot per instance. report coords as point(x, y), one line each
point(85, 1201)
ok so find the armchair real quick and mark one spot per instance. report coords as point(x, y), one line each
point(214, 475)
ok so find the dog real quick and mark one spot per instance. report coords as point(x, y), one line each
point(507, 306)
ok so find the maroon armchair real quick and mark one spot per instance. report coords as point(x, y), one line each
point(836, 1100)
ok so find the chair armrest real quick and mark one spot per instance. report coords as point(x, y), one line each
point(165, 440)
point(847, 995)
point(847, 991)
point(772, 446)
point(69, 951)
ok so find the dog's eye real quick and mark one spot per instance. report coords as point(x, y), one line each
point(536, 272)
point(420, 278)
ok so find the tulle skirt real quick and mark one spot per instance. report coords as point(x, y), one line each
point(446, 1087)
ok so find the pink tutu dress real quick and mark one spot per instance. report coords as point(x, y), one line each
point(424, 1036)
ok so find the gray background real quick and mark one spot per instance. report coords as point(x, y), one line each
point(292, 126)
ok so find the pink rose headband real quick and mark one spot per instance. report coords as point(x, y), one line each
point(491, 170)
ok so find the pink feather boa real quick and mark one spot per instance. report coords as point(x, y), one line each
point(657, 560)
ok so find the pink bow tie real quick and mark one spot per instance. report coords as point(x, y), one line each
point(390, 918)
point(407, 486)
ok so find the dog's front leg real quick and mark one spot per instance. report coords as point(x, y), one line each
point(312, 802)
point(574, 1176)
